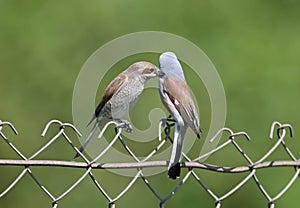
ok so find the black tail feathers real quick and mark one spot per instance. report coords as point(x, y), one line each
point(174, 171)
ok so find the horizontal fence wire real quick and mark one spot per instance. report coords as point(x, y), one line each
point(281, 131)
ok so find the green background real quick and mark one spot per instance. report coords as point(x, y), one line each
point(255, 46)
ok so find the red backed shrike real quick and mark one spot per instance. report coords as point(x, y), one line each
point(176, 96)
point(121, 95)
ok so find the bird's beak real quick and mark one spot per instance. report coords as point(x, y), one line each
point(160, 73)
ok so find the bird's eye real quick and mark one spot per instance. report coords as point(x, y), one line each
point(151, 70)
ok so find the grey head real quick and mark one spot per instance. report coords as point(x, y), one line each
point(169, 64)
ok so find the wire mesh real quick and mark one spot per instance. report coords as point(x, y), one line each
point(165, 126)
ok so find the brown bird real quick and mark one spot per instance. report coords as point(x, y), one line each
point(121, 96)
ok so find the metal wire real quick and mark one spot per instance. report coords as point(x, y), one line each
point(165, 124)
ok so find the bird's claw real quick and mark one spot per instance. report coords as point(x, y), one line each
point(126, 125)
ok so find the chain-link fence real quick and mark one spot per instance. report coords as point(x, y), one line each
point(164, 136)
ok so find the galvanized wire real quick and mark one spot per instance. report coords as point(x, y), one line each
point(165, 126)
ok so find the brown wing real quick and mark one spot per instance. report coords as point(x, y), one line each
point(111, 89)
point(180, 96)
point(113, 86)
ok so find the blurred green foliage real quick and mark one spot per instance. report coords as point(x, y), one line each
point(255, 46)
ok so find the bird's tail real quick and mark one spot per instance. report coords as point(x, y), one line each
point(88, 139)
point(174, 165)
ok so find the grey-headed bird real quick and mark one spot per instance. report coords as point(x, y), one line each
point(176, 96)
point(121, 95)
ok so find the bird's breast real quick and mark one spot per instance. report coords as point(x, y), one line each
point(126, 97)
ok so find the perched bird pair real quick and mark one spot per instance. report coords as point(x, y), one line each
point(123, 92)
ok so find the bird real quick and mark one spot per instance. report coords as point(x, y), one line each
point(120, 97)
point(176, 96)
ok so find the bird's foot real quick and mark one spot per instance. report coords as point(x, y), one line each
point(126, 125)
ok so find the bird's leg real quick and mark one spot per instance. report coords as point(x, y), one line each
point(126, 125)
